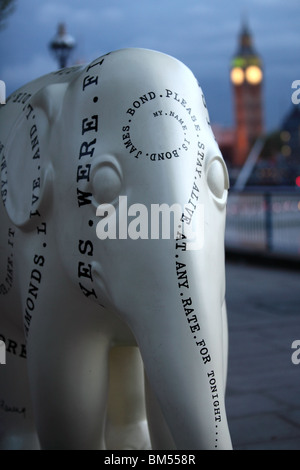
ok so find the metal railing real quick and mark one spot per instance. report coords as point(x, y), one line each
point(265, 221)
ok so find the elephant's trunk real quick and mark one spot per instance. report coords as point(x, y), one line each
point(185, 353)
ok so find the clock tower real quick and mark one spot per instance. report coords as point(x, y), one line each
point(246, 77)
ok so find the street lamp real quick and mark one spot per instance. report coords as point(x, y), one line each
point(62, 45)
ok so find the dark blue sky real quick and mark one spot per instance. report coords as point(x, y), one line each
point(202, 34)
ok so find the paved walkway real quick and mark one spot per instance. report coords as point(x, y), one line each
point(263, 389)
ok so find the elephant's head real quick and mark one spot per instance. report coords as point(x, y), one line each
point(128, 134)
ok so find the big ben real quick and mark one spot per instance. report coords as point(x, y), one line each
point(247, 78)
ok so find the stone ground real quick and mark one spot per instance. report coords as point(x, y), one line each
point(263, 388)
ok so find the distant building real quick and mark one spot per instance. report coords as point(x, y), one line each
point(246, 77)
point(276, 158)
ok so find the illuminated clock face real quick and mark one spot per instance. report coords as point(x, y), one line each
point(237, 75)
point(253, 75)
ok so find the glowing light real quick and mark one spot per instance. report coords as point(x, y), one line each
point(237, 75)
point(298, 181)
point(286, 150)
point(254, 75)
point(285, 136)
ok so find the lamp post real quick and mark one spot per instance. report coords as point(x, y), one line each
point(62, 45)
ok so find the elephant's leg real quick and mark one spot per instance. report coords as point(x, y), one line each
point(68, 372)
point(126, 418)
point(17, 428)
point(161, 438)
point(189, 390)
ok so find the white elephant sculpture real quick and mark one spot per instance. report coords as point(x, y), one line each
point(93, 160)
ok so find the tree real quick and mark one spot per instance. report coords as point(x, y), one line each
point(6, 8)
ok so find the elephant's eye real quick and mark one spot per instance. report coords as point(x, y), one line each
point(217, 179)
point(106, 182)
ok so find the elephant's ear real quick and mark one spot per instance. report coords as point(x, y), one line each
point(26, 164)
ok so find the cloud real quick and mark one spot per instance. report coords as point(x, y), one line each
point(51, 12)
point(200, 9)
point(37, 66)
point(113, 14)
point(78, 14)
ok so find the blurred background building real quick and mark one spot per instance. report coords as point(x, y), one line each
point(267, 159)
point(263, 212)
point(247, 78)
